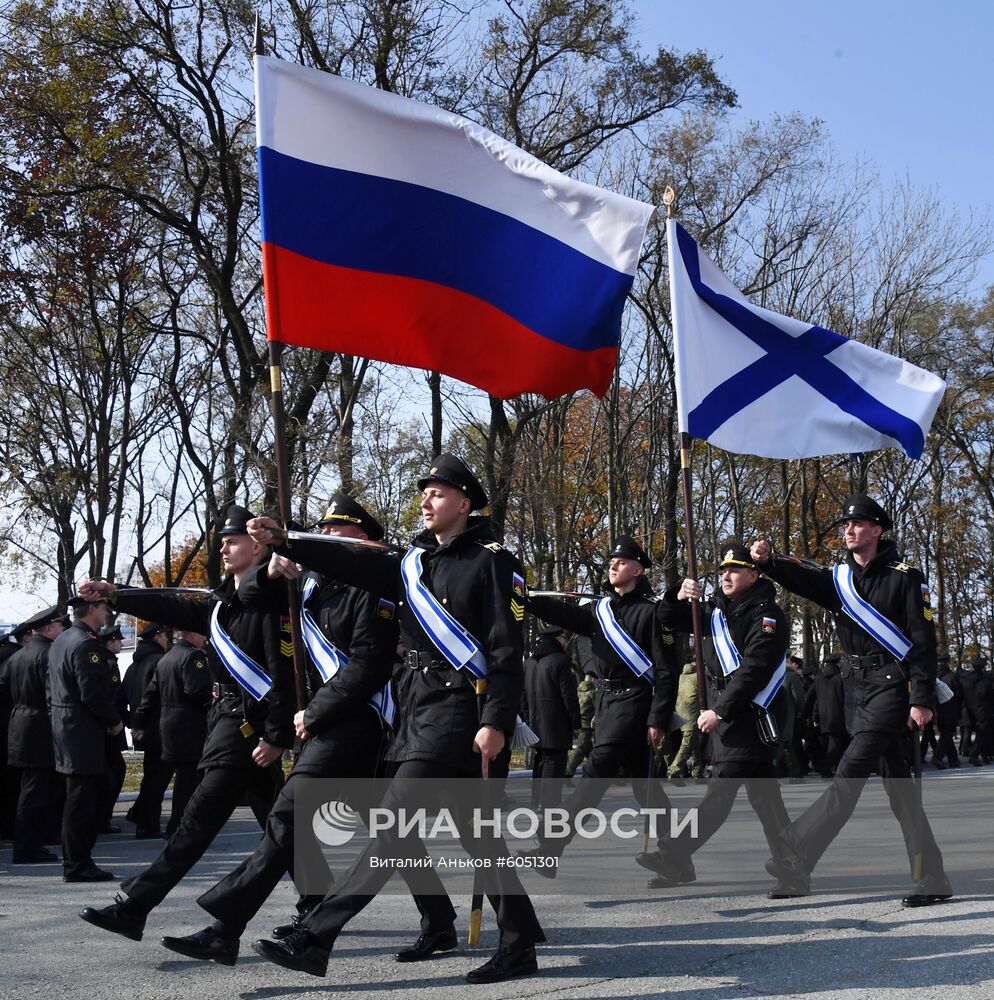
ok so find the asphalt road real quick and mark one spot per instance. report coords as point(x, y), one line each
point(719, 938)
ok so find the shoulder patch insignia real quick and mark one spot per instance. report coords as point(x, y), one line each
point(493, 546)
point(769, 625)
point(901, 567)
point(926, 595)
point(518, 584)
point(285, 623)
point(928, 614)
point(668, 637)
point(94, 657)
point(518, 610)
point(385, 609)
point(199, 664)
point(286, 647)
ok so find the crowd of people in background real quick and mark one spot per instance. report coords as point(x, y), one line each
point(64, 709)
point(163, 700)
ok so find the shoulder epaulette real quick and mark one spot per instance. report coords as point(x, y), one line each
point(492, 546)
point(901, 567)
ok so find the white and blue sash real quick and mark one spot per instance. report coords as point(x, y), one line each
point(867, 617)
point(240, 665)
point(449, 637)
point(622, 643)
point(731, 660)
point(329, 659)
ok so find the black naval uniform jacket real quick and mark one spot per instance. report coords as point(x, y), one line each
point(178, 695)
point(338, 715)
point(257, 632)
point(550, 703)
point(829, 700)
point(133, 685)
point(759, 632)
point(624, 705)
point(976, 688)
point(29, 739)
point(82, 699)
point(118, 742)
point(880, 701)
point(471, 575)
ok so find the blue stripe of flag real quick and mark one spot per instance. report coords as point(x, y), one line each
point(384, 226)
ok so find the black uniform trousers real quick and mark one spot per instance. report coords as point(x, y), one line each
point(548, 772)
point(833, 746)
point(602, 767)
point(236, 899)
point(220, 791)
point(34, 804)
point(519, 926)
point(113, 783)
point(82, 820)
point(945, 747)
point(185, 778)
point(146, 811)
point(9, 778)
point(727, 777)
point(816, 828)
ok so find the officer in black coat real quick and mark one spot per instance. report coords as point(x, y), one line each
point(177, 699)
point(978, 704)
point(830, 708)
point(29, 739)
point(146, 810)
point(883, 710)
point(744, 736)
point(947, 716)
point(14, 640)
point(632, 712)
point(113, 639)
point(342, 732)
point(552, 710)
point(83, 716)
point(247, 734)
point(446, 730)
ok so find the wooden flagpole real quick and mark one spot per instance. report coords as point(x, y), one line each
point(283, 471)
point(669, 196)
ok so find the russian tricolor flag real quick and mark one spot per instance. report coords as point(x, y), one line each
point(397, 231)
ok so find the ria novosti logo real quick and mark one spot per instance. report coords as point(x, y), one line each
point(334, 823)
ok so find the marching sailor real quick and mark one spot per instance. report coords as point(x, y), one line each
point(745, 647)
point(251, 719)
point(460, 598)
point(885, 626)
point(637, 660)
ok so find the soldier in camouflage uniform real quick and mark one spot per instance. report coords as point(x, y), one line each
point(585, 737)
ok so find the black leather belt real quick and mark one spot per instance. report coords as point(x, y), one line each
point(416, 659)
point(225, 690)
point(867, 661)
point(622, 685)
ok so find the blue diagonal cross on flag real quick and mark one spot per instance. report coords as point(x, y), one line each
point(752, 381)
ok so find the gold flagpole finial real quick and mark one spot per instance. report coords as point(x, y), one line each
point(669, 197)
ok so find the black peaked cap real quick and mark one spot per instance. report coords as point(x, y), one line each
point(40, 620)
point(736, 554)
point(446, 468)
point(343, 509)
point(625, 547)
point(860, 507)
point(235, 521)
